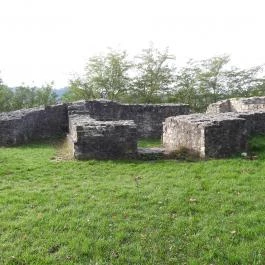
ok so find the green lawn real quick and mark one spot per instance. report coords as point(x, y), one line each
point(149, 143)
point(130, 212)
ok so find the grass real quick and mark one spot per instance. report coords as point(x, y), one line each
point(149, 143)
point(56, 211)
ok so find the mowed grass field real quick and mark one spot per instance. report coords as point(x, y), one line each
point(55, 211)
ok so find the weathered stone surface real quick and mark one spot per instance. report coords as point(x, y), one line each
point(255, 121)
point(223, 131)
point(206, 135)
point(98, 128)
point(237, 105)
point(21, 126)
point(247, 104)
point(147, 117)
point(219, 107)
point(94, 139)
point(151, 153)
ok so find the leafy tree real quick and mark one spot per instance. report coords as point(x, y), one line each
point(154, 75)
point(212, 76)
point(28, 97)
point(6, 96)
point(201, 83)
point(105, 77)
point(24, 97)
point(187, 86)
point(245, 82)
point(79, 89)
point(45, 95)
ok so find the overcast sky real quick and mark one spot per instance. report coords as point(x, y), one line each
point(48, 40)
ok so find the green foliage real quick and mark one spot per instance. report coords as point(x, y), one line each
point(257, 144)
point(245, 82)
point(150, 77)
point(154, 76)
point(201, 83)
point(149, 142)
point(25, 97)
point(105, 77)
point(6, 95)
point(130, 212)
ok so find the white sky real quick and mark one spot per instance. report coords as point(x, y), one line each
point(48, 40)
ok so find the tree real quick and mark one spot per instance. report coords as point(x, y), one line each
point(45, 95)
point(201, 83)
point(187, 86)
point(6, 96)
point(28, 97)
point(105, 77)
point(154, 75)
point(245, 82)
point(212, 76)
point(79, 89)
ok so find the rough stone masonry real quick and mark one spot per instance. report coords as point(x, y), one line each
point(237, 105)
point(221, 132)
point(22, 126)
point(106, 129)
point(102, 139)
point(98, 129)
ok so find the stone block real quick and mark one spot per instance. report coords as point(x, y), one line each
point(94, 139)
point(207, 136)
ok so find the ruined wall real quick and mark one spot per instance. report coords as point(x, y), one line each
point(219, 135)
point(221, 132)
point(237, 105)
point(147, 117)
point(219, 107)
point(93, 139)
point(255, 121)
point(21, 126)
point(247, 104)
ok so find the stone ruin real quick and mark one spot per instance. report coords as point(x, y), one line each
point(23, 126)
point(97, 129)
point(222, 131)
point(102, 129)
point(237, 105)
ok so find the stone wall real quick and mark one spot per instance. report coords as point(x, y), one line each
point(92, 139)
point(147, 117)
point(206, 135)
point(21, 126)
point(237, 105)
point(219, 107)
point(98, 129)
point(223, 131)
point(255, 121)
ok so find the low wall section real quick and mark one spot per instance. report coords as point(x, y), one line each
point(149, 118)
point(237, 105)
point(21, 126)
point(92, 139)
